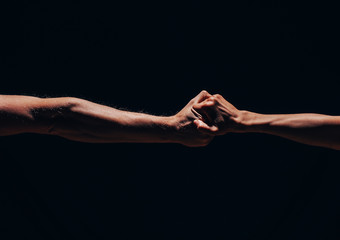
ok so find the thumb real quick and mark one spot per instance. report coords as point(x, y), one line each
point(205, 128)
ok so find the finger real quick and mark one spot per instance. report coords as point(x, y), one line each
point(205, 109)
point(203, 95)
point(202, 114)
point(207, 103)
point(205, 128)
point(198, 115)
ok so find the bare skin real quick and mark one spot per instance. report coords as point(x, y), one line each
point(218, 117)
point(80, 120)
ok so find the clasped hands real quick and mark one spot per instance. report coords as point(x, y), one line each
point(205, 117)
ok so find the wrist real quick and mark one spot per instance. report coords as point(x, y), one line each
point(184, 131)
point(167, 128)
point(175, 129)
point(250, 122)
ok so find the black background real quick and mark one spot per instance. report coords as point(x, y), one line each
point(263, 56)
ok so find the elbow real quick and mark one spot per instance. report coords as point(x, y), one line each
point(69, 103)
point(55, 118)
point(73, 104)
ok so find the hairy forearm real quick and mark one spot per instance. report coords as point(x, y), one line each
point(90, 122)
point(308, 128)
point(81, 120)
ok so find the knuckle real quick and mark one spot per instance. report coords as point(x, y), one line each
point(204, 92)
point(213, 99)
point(218, 96)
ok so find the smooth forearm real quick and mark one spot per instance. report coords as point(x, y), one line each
point(313, 129)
